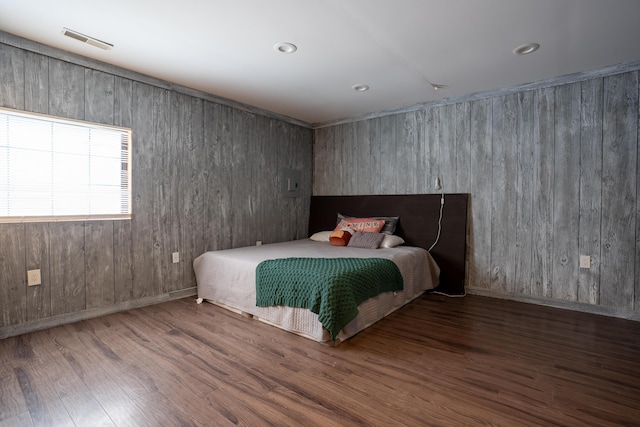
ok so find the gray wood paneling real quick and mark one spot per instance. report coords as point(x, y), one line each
point(99, 97)
point(37, 243)
point(191, 195)
point(164, 186)
point(123, 103)
point(99, 264)
point(619, 181)
point(446, 148)
point(122, 232)
point(388, 154)
point(267, 179)
point(422, 181)
point(637, 257)
point(590, 188)
point(36, 88)
point(99, 244)
point(240, 191)
point(304, 158)
point(375, 161)
point(543, 190)
point(323, 160)
point(566, 192)
point(212, 189)
point(11, 77)
point(361, 161)
point(288, 221)
point(407, 160)
point(345, 160)
point(253, 176)
point(431, 135)
point(552, 171)
point(334, 169)
point(13, 275)
point(66, 89)
point(524, 194)
point(204, 176)
point(481, 186)
point(350, 157)
point(143, 189)
point(503, 201)
point(463, 147)
point(223, 177)
point(271, 206)
point(67, 268)
point(122, 261)
point(261, 176)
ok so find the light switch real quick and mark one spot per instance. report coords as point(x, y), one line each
point(290, 179)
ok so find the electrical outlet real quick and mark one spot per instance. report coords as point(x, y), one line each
point(585, 261)
point(33, 277)
point(258, 242)
point(175, 257)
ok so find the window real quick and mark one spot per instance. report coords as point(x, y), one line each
point(54, 169)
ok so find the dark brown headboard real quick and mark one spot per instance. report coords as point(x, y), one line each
point(418, 225)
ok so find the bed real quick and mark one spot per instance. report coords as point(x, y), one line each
point(228, 277)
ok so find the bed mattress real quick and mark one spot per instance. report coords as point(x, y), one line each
point(228, 278)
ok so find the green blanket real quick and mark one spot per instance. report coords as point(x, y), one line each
point(330, 287)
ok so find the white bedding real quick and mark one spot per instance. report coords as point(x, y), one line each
point(228, 278)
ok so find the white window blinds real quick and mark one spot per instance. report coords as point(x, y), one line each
point(54, 169)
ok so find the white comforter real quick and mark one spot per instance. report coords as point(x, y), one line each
point(228, 278)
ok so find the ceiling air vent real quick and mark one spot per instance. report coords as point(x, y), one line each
point(86, 39)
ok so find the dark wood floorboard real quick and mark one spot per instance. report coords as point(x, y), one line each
point(438, 361)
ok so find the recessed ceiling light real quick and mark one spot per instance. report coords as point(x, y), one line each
point(437, 86)
point(360, 88)
point(526, 49)
point(285, 47)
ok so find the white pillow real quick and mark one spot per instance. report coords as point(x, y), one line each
point(321, 236)
point(391, 241)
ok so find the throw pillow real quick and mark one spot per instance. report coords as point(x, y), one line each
point(366, 240)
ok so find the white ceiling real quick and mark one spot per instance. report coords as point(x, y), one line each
point(226, 48)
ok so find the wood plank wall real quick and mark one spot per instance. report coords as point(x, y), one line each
point(205, 177)
point(553, 173)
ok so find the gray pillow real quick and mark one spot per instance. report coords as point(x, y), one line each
point(362, 239)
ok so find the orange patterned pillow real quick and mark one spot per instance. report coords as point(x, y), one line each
point(341, 237)
point(369, 225)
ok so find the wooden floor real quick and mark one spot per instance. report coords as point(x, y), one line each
point(439, 361)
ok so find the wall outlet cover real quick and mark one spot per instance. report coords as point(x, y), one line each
point(33, 277)
point(175, 257)
point(585, 261)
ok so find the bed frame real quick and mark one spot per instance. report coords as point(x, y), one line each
point(418, 226)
